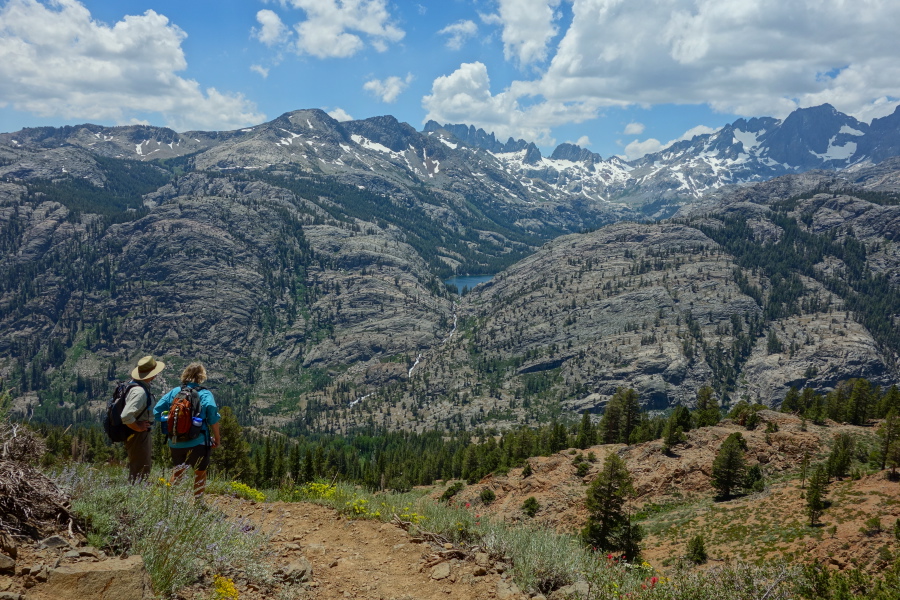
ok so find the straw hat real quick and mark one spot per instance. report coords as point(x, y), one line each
point(146, 368)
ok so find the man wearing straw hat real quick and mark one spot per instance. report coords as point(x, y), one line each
point(137, 416)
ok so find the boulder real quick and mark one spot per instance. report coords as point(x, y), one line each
point(298, 571)
point(54, 541)
point(507, 589)
point(7, 564)
point(579, 589)
point(113, 579)
point(8, 545)
point(441, 571)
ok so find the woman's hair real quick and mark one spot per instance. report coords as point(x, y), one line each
point(193, 373)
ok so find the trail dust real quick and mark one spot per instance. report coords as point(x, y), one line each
point(367, 559)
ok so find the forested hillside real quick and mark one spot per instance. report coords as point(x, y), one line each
point(791, 283)
point(315, 294)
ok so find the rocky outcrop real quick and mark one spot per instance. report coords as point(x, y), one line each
point(113, 579)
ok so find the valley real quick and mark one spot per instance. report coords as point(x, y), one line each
point(304, 260)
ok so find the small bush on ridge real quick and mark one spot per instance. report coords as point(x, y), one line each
point(531, 506)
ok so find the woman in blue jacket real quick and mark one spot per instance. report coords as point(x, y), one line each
point(193, 453)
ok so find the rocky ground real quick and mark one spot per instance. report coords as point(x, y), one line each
point(321, 554)
point(675, 500)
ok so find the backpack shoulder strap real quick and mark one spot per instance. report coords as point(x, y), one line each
point(146, 391)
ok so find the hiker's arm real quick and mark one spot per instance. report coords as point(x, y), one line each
point(217, 438)
point(163, 405)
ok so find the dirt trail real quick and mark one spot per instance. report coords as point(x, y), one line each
point(369, 559)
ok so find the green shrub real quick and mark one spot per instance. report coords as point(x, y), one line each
point(166, 526)
point(488, 495)
point(696, 550)
point(754, 481)
point(872, 526)
point(526, 470)
point(531, 506)
point(452, 491)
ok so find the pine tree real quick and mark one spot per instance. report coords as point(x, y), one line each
point(278, 466)
point(526, 470)
point(841, 456)
point(267, 463)
point(672, 434)
point(609, 527)
point(696, 549)
point(773, 344)
point(791, 402)
point(815, 495)
point(890, 400)
point(888, 433)
point(611, 422)
point(294, 464)
point(804, 466)
point(860, 398)
point(707, 413)
point(631, 414)
point(729, 466)
point(586, 435)
point(682, 416)
point(309, 471)
point(470, 465)
point(232, 457)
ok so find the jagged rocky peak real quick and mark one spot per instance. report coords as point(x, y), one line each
point(307, 119)
point(881, 141)
point(575, 153)
point(386, 130)
point(810, 135)
point(757, 125)
point(479, 138)
point(532, 154)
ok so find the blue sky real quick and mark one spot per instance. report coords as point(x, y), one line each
point(617, 76)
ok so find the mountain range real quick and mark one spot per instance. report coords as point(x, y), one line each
point(742, 152)
point(303, 260)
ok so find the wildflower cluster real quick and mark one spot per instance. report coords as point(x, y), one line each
point(166, 526)
point(322, 491)
point(242, 490)
point(359, 508)
point(412, 517)
point(224, 588)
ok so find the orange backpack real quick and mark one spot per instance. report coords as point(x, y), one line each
point(185, 422)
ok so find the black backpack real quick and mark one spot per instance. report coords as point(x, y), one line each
point(112, 417)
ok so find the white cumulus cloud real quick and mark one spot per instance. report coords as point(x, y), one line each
point(584, 141)
point(272, 30)
point(465, 96)
point(528, 26)
point(389, 89)
point(339, 114)
point(637, 149)
point(261, 70)
point(458, 33)
point(56, 60)
point(333, 28)
point(634, 129)
point(751, 57)
point(747, 57)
